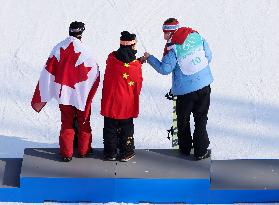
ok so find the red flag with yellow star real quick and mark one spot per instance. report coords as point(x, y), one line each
point(121, 89)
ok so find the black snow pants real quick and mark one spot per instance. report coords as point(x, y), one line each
point(118, 134)
point(197, 103)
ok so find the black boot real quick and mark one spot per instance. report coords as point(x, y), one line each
point(67, 159)
point(206, 155)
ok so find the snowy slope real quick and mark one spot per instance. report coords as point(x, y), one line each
point(243, 35)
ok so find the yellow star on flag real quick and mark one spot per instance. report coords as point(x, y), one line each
point(125, 75)
point(126, 65)
point(131, 83)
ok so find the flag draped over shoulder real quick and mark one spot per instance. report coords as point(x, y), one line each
point(70, 75)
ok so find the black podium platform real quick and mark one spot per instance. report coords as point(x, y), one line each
point(9, 172)
point(154, 175)
point(45, 162)
point(248, 174)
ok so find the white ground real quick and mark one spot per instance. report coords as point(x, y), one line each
point(243, 35)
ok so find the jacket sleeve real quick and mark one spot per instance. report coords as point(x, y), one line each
point(167, 65)
point(208, 53)
point(139, 82)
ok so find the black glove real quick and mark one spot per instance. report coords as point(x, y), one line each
point(142, 59)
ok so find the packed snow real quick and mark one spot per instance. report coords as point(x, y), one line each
point(243, 36)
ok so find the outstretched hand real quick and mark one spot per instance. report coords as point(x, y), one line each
point(146, 55)
point(143, 58)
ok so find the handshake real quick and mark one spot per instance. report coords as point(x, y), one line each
point(143, 58)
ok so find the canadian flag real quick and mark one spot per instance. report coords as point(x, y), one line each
point(70, 75)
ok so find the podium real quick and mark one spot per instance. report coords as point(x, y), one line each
point(154, 176)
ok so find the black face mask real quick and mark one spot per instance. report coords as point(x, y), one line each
point(126, 54)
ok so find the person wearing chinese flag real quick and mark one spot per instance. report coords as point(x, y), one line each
point(71, 76)
point(120, 99)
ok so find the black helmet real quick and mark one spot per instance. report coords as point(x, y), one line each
point(76, 29)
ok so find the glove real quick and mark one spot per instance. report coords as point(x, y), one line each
point(142, 59)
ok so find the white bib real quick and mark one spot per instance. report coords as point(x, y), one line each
point(193, 62)
point(191, 55)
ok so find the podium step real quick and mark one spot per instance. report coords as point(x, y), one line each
point(163, 164)
point(244, 181)
point(154, 176)
point(47, 163)
point(10, 172)
point(9, 179)
point(245, 174)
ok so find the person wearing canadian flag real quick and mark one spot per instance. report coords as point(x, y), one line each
point(71, 76)
point(120, 99)
point(187, 56)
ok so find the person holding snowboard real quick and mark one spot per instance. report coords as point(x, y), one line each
point(71, 76)
point(120, 99)
point(187, 57)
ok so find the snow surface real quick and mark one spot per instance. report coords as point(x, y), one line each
point(243, 36)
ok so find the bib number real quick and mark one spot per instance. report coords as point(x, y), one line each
point(193, 62)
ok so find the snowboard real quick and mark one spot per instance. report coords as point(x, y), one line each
point(172, 132)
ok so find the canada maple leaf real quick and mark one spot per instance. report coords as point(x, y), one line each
point(64, 70)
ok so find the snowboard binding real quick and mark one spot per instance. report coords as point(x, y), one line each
point(170, 96)
point(170, 132)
